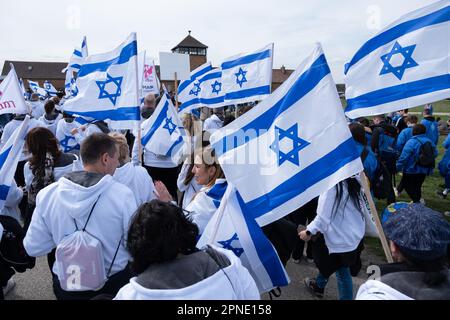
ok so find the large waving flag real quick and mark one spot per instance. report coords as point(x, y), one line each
point(49, 88)
point(9, 157)
point(108, 87)
point(234, 228)
point(248, 77)
point(163, 131)
point(34, 86)
point(405, 65)
point(75, 62)
point(291, 148)
point(189, 90)
point(11, 95)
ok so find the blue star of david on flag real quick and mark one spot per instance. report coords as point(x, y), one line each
point(227, 245)
point(240, 77)
point(216, 87)
point(111, 96)
point(170, 126)
point(297, 145)
point(408, 61)
point(196, 90)
point(65, 144)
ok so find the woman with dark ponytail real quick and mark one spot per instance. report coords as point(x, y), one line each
point(337, 233)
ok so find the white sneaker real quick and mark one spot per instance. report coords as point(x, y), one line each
point(9, 286)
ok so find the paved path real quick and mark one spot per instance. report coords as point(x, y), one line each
point(36, 284)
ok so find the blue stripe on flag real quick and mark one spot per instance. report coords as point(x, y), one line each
point(217, 191)
point(78, 53)
point(75, 66)
point(247, 93)
point(442, 15)
point(161, 116)
point(176, 143)
point(212, 100)
point(4, 156)
point(199, 73)
point(189, 103)
point(266, 252)
point(402, 91)
point(304, 84)
point(120, 114)
point(246, 59)
point(4, 192)
point(212, 75)
point(129, 51)
point(297, 184)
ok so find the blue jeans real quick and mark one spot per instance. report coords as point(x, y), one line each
point(344, 282)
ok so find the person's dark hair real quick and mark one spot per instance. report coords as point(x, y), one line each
point(419, 129)
point(39, 142)
point(49, 106)
point(412, 118)
point(381, 117)
point(228, 119)
point(353, 194)
point(435, 270)
point(364, 121)
point(96, 145)
point(158, 232)
point(358, 133)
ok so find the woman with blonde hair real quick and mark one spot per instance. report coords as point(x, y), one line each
point(134, 177)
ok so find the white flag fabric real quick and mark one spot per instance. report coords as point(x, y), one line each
point(34, 86)
point(49, 88)
point(75, 62)
point(9, 158)
point(108, 87)
point(189, 90)
point(24, 92)
point(248, 77)
point(295, 145)
point(11, 95)
point(405, 65)
point(163, 132)
point(234, 228)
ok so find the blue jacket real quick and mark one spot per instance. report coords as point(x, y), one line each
point(370, 163)
point(410, 154)
point(403, 137)
point(444, 165)
point(432, 129)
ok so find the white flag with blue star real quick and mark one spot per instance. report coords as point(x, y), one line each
point(211, 93)
point(34, 86)
point(234, 228)
point(295, 145)
point(9, 158)
point(189, 90)
point(50, 89)
point(75, 62)
point(405, 65)
point(108, 87)
point(248, 77)
point(163, 131)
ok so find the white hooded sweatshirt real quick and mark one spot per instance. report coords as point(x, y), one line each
point(377, 290)
point(12, 201)
point(138, 180)
point(67, 141)
point(62, 202)
point(239, 285)
point(51, 124)
point(212, 124)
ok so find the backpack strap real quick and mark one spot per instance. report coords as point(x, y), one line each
point(90, 213)
point(114, 258)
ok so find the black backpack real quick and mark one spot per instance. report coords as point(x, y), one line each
point(12, 250)
point(382, 184)
point(426, 156)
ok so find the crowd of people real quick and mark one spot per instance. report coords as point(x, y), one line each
point(135, 219)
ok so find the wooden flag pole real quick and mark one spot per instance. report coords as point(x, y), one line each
point(374, 213)
point(138, 96)
point(176, 92)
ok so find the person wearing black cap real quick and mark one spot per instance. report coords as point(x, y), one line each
point(418, 238)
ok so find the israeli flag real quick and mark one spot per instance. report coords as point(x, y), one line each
point(24, 92)
point(108, 87)
point(75, 62)
point(162, 132)
point(248, 77)
point(295, 145)
point(49, 88)
point(34, 86)
point(189, 90)
point(9, 158)
point(403, 66)
point(234, 228)
point(11, 95)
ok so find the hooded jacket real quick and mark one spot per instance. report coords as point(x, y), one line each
point(138, 180)
point(410, 154)
point(229, 282)
point(70, 199)
point(67, 141)
point(212, 124)
point(51, 124)
point(432, 129)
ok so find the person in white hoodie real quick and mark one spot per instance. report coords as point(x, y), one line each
point(214, 122)
point(51, 118)
point(37, 106)
point(162, 242)
point(339, 229)
point(68, 142)
point(418, 239)
point(65, 204)
point(134, 177)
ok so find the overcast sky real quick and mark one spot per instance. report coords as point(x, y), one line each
point(49, 30)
